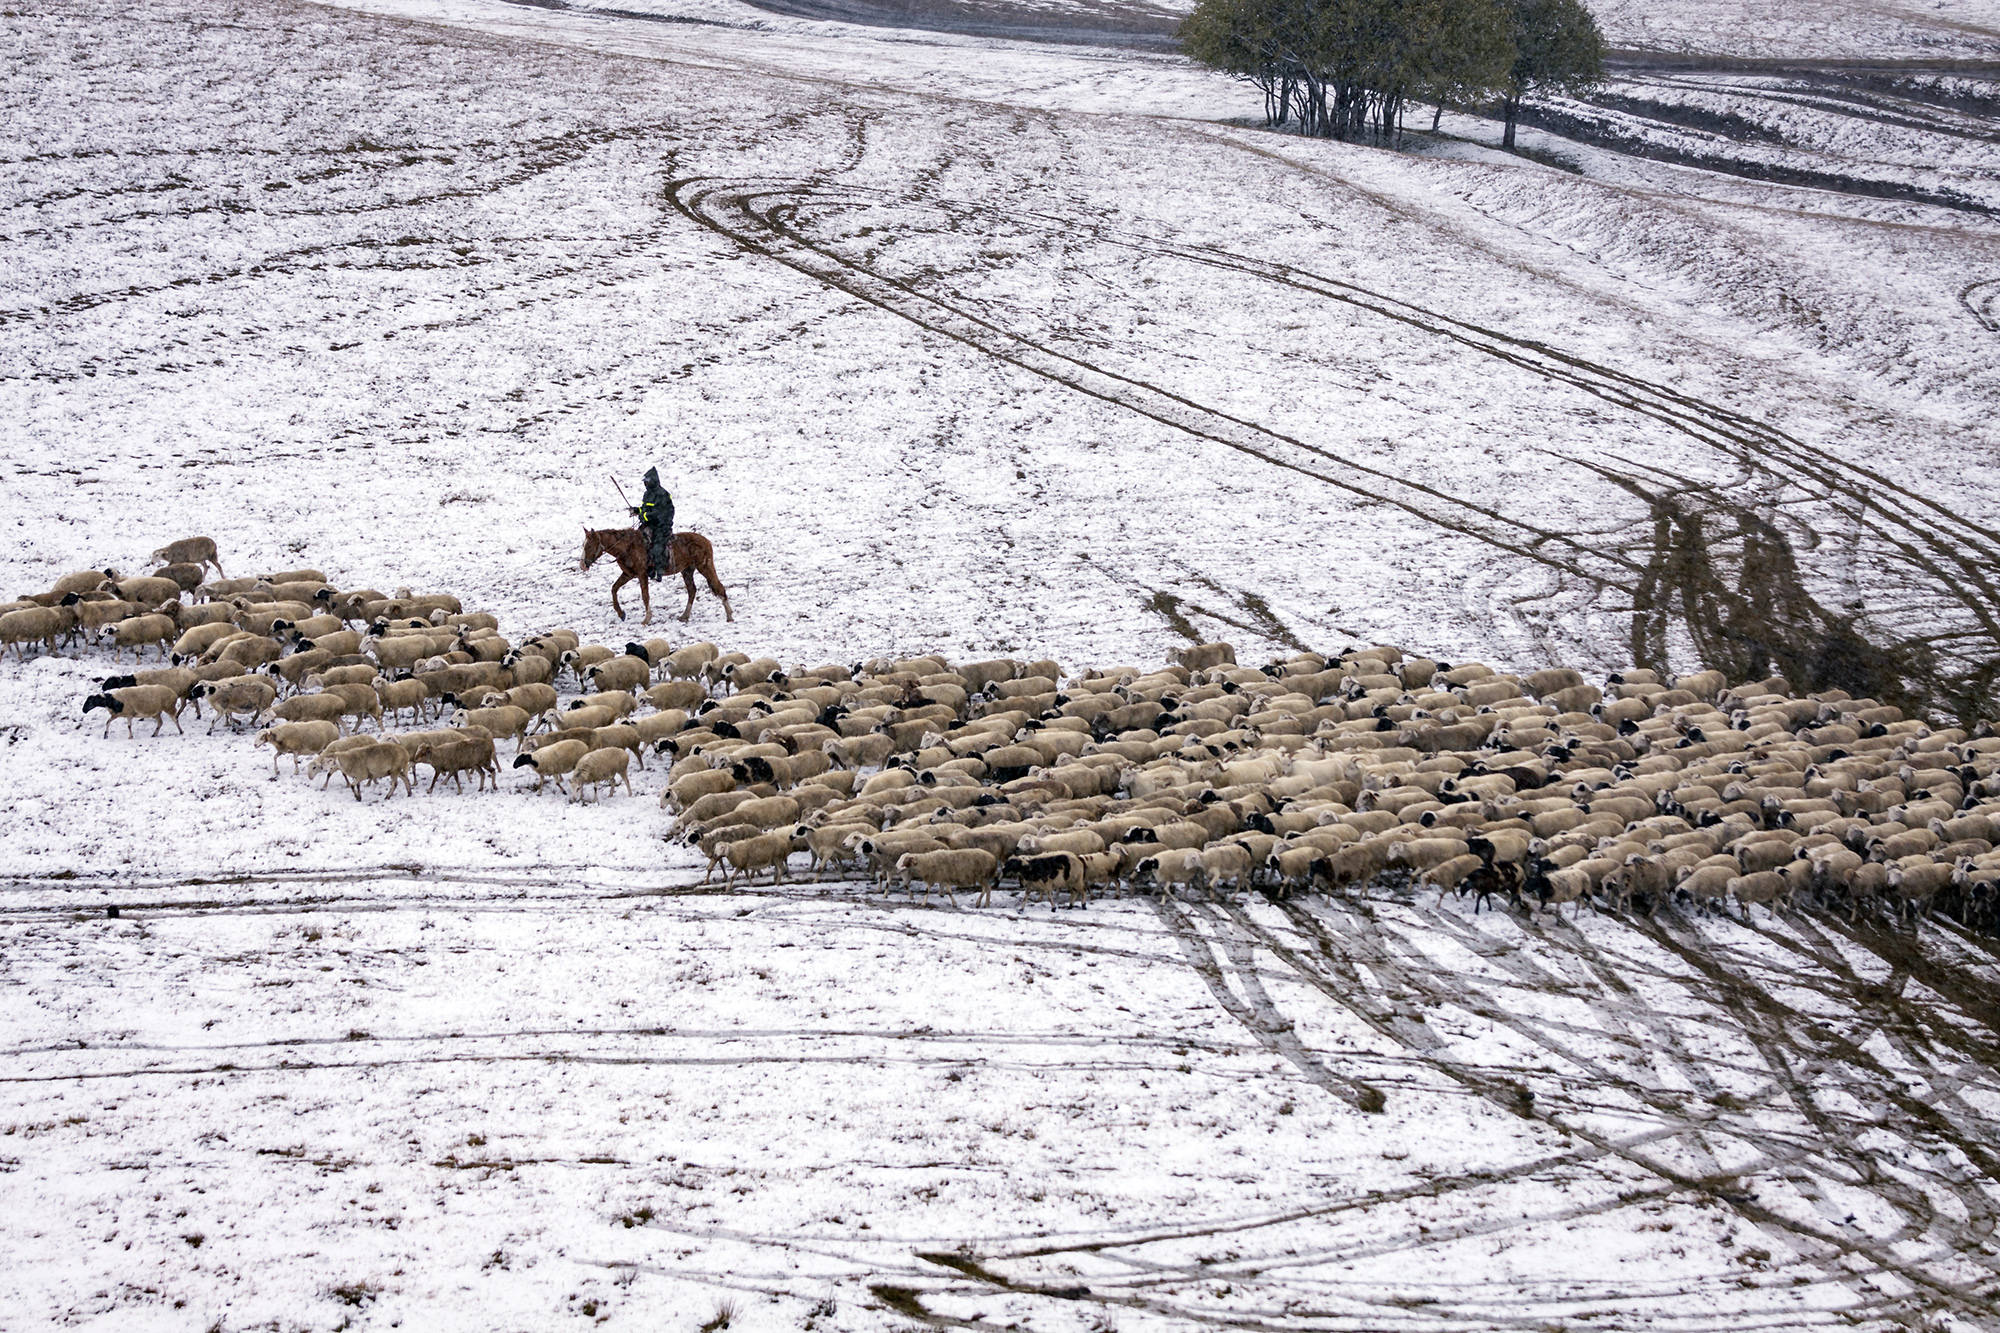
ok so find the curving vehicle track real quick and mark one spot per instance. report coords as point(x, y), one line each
point(1718, 563)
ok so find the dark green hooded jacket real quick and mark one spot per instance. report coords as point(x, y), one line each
point(656, 516)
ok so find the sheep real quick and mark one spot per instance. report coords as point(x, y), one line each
point(620, 736)
point(187, 577)
point(371, 762)
point(656, 727)
point(859, 751)
point(398, 695)
point(1044, 875)
point(1641, 876)
point(181, 680)
point(231, 695)
point(536, 698)
point(137, 701)
point(831, 844)
point(1915, 885)
point(319, 707)
point(484, 646)
point(749, 855)
point(767, 811)
point(326, 763)
point(687, 663)
point(1706, 884)
point(247, 651)
point(506, 720)
point(1450, 873)
point(354, 673)
point(296, 739)
point(190, 550)
point(1763, 886)
point(551, 761)
point(1203, 657)
point(1421, 854)
point(149, 591)
point(398, 653)
point(713, 839)
point(1229, 863)
point(685, 791)
point(625, 673)
point(881, 850)
point(358, 702)
point(978, 675)
point(673, 694)
point(706, 808)
point(1167, 870)
point(84, 580)
point(35, 624)
point(778, 772)
point(453, 755)
point(265, 617)
point(621, 704)
point(654, 650)
point(1078, 842)
point(602, 767)
point(1707, 685)
point(951, 869)
point(340, 642)
point(739, 675)
point(1291, 867)
point(1572, 884)
point(197, 640)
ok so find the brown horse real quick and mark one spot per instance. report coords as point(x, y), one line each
point(689, 554)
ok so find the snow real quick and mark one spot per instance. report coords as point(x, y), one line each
point(1908, 30)
point(1055, 347)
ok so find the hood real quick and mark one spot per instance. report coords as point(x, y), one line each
point(652, 477)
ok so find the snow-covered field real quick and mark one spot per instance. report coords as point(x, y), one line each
point(959, 344)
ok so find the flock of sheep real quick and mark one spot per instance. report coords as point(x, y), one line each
point(1311, 773)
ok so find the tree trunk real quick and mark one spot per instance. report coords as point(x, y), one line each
point(1511, 107)
point(1437, 116)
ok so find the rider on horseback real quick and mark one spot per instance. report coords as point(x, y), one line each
point(656, 516)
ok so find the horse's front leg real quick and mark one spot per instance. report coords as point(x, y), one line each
point(687, 577)
point(616, 584)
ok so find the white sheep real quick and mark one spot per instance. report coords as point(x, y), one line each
point(551, 761)
point(190, 551)
point(397, 695)
point(296, 739)
point(373, 761)
point(248, 695)
point(949, 870)
point(603, 767)
point(624, 673)
point(137, 701)
point(687, 663)
point(35, 624)
point(749, 855)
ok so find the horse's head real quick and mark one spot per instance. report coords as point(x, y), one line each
point(592, 548)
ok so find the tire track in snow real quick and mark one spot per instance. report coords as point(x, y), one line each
point(1936, 551)
point(1421, 983)
point(1982, 300)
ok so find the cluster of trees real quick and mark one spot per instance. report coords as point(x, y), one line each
point(1344, 68)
